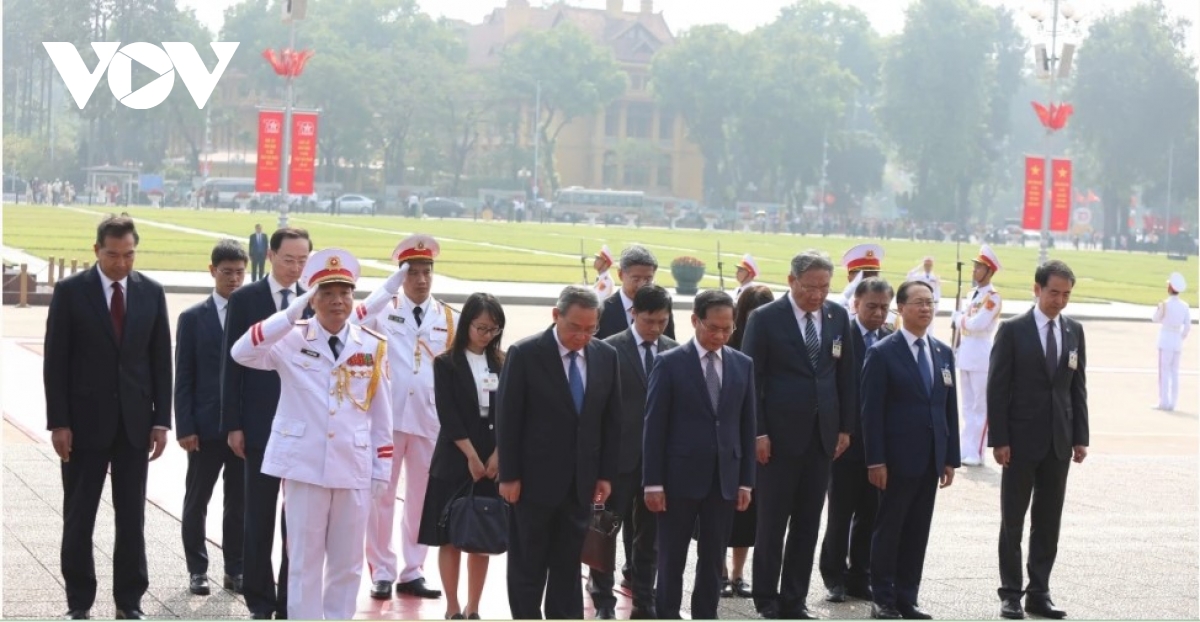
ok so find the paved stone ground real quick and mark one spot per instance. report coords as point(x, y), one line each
point(1129, 547)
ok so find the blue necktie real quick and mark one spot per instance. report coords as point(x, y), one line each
point(575, 379)
point(284, 293)
point(870, 338)
point(923, 365)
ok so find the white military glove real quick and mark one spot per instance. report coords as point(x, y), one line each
point(393, 283)
point(378, 489)
point(296, 307)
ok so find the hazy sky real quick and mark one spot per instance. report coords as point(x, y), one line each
point(886, 15)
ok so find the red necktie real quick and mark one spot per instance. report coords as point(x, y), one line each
point(117, 309)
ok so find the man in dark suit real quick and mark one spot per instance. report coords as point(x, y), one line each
point(258, 253)
point(1037, 422)
point(637, 347)
point(558, 429)
point(910, 440)
point(699, 453)
point(107, 374)
point(198, 354)
point(637, 269)
point(853, 501)
point(805, 366)
point(249, 398)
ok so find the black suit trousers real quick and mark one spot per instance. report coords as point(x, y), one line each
point(791, 492)
point(853, 503)
point(713, 518)
point(83, 482)
point(258, 583)
point(1045, 481)
point(640, 529)
point(544, 546)
point(901, 536)
point(257, 267)
point(214, 459)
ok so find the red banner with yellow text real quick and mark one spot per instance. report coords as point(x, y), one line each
point(1035, 192)
point(304, 153)
point(270, 151)
point(1060, 195)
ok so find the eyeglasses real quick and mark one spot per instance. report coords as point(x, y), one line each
point(720, 331)
point(924, 303)
point(487, 331)
point(574, 329)
point(640, 280)
point(806, 289)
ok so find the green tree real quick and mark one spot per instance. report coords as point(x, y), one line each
point(1135, 94)
point(577, 77)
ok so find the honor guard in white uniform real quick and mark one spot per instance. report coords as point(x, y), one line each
point(418, 328)
point(331, 440)
point(862, 261)
point(747, 271)
point(975, 323)
point(1175, 320)
point(604, 282)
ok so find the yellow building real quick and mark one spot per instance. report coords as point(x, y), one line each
point(632, 145)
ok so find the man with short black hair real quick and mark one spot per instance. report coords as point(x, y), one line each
point(1037, 415)
point(107, 376)
point(637, 269)
point(198, 355)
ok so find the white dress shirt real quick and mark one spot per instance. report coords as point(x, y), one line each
point(1041, 319)
point(912, 348)
point(424, 308)
point(479, 370)
point(800, 319)
point(324, 335)
point(580, 361)
point(641, 350)
point(719, 365)
point(108, 289)
point(627, 304)
point(221, 304)
point(276, 286)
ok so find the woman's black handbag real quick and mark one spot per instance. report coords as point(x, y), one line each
point(476, 524)
point(600, 540)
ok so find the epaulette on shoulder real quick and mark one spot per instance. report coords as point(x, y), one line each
point(373, 333)
point(455, 311)
point(303, 322)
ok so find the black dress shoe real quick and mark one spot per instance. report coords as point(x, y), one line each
point(198, 584)
point(913, 612)
point(474, 615)
point(1010, 608)
point(381, 590)
point(130, 614)
point(741, 589)
point(798, 614)
point(79, 614)
point(606, 613)
point(643, 613)
point(260, 615)
point(861, 592)
point(769, 612)
point(836, 594)
point(1043, 607)
point(417, 587)
point(233, 583)
point(885, 612)
point(726, 588)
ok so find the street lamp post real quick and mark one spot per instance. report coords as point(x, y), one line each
point(537, 115)
point(1049, 65)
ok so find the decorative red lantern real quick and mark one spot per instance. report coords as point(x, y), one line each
point(290, 63)
point(1055, 117)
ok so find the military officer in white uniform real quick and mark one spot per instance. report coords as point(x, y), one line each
point(1175, 322)
point(331, 440)
point(418, 328)
point(604, 282)
point(862, 261)
point(975, 324)
point(925, 274)
point(747, 271)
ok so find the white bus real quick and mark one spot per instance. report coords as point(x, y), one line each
point(575, 203)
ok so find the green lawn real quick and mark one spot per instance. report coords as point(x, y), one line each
point(550, 253)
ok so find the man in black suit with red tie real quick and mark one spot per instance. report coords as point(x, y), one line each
point(853, 501)
point(1037, 423)
point(699, 453)
point(249, 398)
point(557, 431)
point(107, 374)
point(198, 354)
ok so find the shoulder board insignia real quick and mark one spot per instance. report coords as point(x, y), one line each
point(373, 333)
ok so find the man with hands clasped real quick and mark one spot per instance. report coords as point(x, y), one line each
point(331, 441)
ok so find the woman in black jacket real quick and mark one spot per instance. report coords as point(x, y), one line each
point(465, 379)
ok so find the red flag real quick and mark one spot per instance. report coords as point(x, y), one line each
point(1060, 195)
point(1092, 198)
point(1035, 185)
point(304, 153)
point(270, 145)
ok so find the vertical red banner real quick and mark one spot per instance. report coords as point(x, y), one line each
point(304, 153)
point(270, 146)
point(1035, 192)
point(1060, 195)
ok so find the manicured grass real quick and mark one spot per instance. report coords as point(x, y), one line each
point(530, 252)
